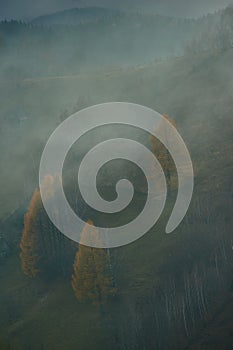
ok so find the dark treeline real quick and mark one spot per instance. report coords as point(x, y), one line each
point(214, 36)
point(31, 50)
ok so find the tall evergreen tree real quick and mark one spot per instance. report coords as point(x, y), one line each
point(91, 279)
point(30, 250)
point(43, 247)
point(163, 155)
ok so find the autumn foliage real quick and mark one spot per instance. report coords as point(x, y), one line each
point(44, 248)
point(163, 155)
point(29, 245)
point(91, 279)
point(45, 251)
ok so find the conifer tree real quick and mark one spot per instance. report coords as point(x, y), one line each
point(91, 279)
point(30, 250)
point(163, 155)
point(43, 247)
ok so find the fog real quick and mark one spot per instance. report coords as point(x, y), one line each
point(167, 284)
point(49, 72)
point(24, 9)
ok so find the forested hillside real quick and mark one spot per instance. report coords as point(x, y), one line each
point(112, 40)
point(163, 291)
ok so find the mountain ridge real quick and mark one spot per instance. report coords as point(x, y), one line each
point(75, 15)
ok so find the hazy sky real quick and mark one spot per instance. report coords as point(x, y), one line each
point(184, 8)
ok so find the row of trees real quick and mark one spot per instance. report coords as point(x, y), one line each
point(73, 45)
point(215, 36)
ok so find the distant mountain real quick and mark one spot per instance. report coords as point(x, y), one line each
point(96, 38)
point(76, 16)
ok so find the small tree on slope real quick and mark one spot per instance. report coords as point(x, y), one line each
point(91, 279)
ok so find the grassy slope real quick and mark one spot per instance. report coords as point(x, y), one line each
point(197, 92)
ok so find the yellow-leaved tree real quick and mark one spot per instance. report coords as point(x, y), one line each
point(30, 250)
point(163, 155)
point(44, 248)
point(91, 279)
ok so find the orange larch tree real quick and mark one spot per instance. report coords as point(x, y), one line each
point(29, 245)
point(91, 279)
point(163, 155)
